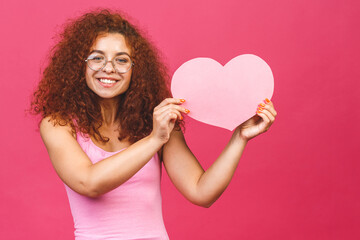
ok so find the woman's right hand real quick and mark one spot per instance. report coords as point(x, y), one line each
point(165, 116)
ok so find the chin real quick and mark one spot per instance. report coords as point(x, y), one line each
point(109, 93)
point(105, 95)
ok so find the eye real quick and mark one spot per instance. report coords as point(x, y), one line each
point(122, 60)
point(96, 58)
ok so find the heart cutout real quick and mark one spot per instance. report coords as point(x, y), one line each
point(223, 96)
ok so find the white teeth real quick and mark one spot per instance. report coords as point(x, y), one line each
point(107, 80)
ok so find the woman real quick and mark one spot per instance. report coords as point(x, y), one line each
point(108, 122)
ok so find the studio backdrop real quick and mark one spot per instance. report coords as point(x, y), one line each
point(299, 180)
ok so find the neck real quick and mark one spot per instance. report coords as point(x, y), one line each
point(109, 109)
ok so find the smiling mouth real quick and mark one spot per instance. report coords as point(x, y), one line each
point(107, 81)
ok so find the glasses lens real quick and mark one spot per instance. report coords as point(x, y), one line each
point(122, 63)
point(96, 61)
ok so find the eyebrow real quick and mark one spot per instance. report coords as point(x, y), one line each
point(119, 53)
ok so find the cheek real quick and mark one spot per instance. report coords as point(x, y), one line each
point(130, 75)
point(128, 78)
point(88, 82)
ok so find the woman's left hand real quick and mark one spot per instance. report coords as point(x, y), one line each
point(259, 123)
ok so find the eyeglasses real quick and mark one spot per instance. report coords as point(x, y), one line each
point(122, 63)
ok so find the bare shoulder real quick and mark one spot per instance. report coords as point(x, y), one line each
point(69, 160)
point(49, 130)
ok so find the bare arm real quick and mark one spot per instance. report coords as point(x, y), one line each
point(201, 187)
point(77, 171)
point(198, 186)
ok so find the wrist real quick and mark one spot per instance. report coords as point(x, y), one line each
point(237, 136)
point(155, 141)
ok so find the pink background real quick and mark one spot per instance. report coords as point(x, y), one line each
point(300, 180)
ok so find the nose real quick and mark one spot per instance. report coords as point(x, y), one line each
point(109, 68)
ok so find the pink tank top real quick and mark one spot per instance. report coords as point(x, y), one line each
point(131, 211)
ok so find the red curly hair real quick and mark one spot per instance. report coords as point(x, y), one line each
point(64, 95)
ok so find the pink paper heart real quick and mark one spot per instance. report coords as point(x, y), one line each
point(223, 96)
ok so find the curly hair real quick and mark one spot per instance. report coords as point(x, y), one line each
point(63, 94)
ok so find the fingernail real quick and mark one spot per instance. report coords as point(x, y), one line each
point(181, 118)
point(267, 100)
point(187, 110)
point(258, 112)
point(260, 109)
point(182, 100)
point(261, 105)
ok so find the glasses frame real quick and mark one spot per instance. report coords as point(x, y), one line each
point(112, 62)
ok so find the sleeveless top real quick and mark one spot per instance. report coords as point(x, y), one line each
point(131, 211)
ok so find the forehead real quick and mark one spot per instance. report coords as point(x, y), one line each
point(111, 43)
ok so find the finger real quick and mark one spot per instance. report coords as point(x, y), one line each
point(268, 102)
point(269, 105)
point(171, 114)
point(169, 101)
point(263, 116)
point(172, 106)
point(268, 114)
point(170, 117)
point(269, 108)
